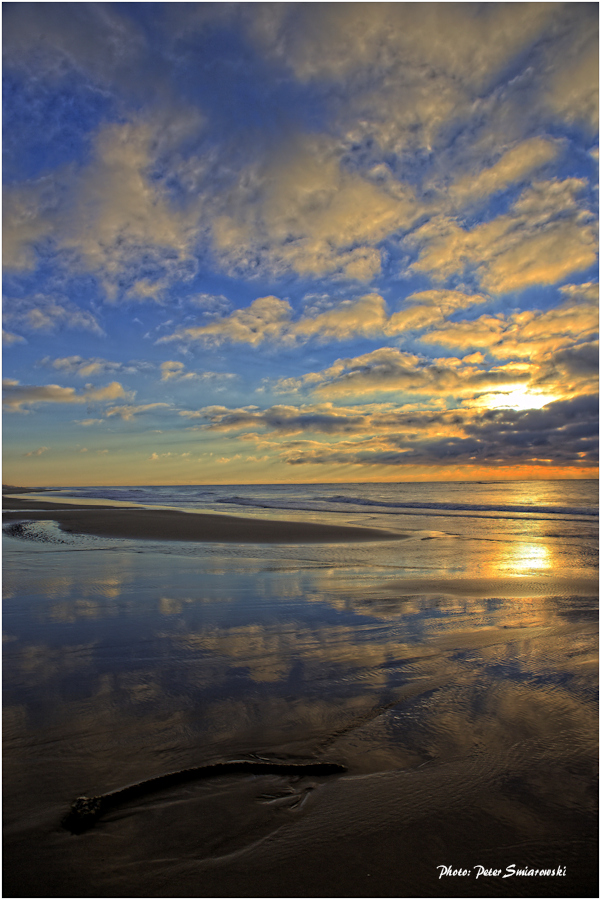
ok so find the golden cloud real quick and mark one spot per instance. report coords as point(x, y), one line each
point(42, 312)
point(118, 209)
point(545, 237)
point(303, 211)
point(172, 369)
point(266, 317)
point(511, 167)
point(452, 40)
point(269, 318)
point(391, 370)
point(403, 70)
point(127, 413)
point(573, 91)
point(17, 395)
point(427, 307)
point(114, 212)
point(86, 368)
point(530, 333)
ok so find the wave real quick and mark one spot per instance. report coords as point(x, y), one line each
point(401, 506)
point(299, 498)
point(152, 494)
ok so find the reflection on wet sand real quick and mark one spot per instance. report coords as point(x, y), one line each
point(444, 696)
point(521, 559)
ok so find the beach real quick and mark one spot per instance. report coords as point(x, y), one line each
point(157, 524)
point(437, 647)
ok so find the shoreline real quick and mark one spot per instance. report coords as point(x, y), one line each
point(135, 523)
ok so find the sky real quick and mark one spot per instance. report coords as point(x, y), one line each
point(299, 242)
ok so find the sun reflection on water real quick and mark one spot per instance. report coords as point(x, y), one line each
point(518, 558)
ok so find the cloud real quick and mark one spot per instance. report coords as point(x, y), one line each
point(173, 369)
point(391, 370)
point(558, 432)
point(265, 318)
point(18, 395)
point(115, 216)
point(587, 293)
point(159, 189)
point(453, 41)
point(23, 225)
point(122, 216)
point(563, 433)
point(399, 74)
point(44, 313)
point(127, 413)
point(8, 339)
point(96, 41)
point(305, 212)
point(217, 376)
point(580, 360)
point(37, 452)
point(573, 91)
point(269, 318)
point(378, 421)
point(427, 307)
point(212, 304)
point(575, 370)
point(545, 237)
point(364, 317)
point(529, 333)
point(280, 419)
point(146, 289)
point(512, 167)
point(86, 368)
point(154, 457)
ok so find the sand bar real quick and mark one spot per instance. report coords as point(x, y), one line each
point(174, 525)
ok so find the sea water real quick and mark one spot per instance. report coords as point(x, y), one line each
point(458, 660)
point(559, 498)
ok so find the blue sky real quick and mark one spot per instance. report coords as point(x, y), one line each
point(316, 242)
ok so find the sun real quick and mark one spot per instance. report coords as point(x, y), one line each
point(517, 398)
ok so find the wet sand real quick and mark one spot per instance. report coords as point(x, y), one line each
point(172, 525)
point(505, 587)
point(378, 835)
point(456, 713)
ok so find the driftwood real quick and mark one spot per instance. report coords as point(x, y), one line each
point(85, 811)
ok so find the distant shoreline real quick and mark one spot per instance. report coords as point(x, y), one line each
point(12, 489)
point(134, 523)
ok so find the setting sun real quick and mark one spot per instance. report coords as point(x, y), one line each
point(519, 398)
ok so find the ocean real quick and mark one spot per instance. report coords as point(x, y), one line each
point(452, 672)
point(497, 499)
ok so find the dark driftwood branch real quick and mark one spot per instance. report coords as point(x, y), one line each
point(85, 811)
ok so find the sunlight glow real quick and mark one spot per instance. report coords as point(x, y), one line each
point(524, 559)
point(517, 398)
